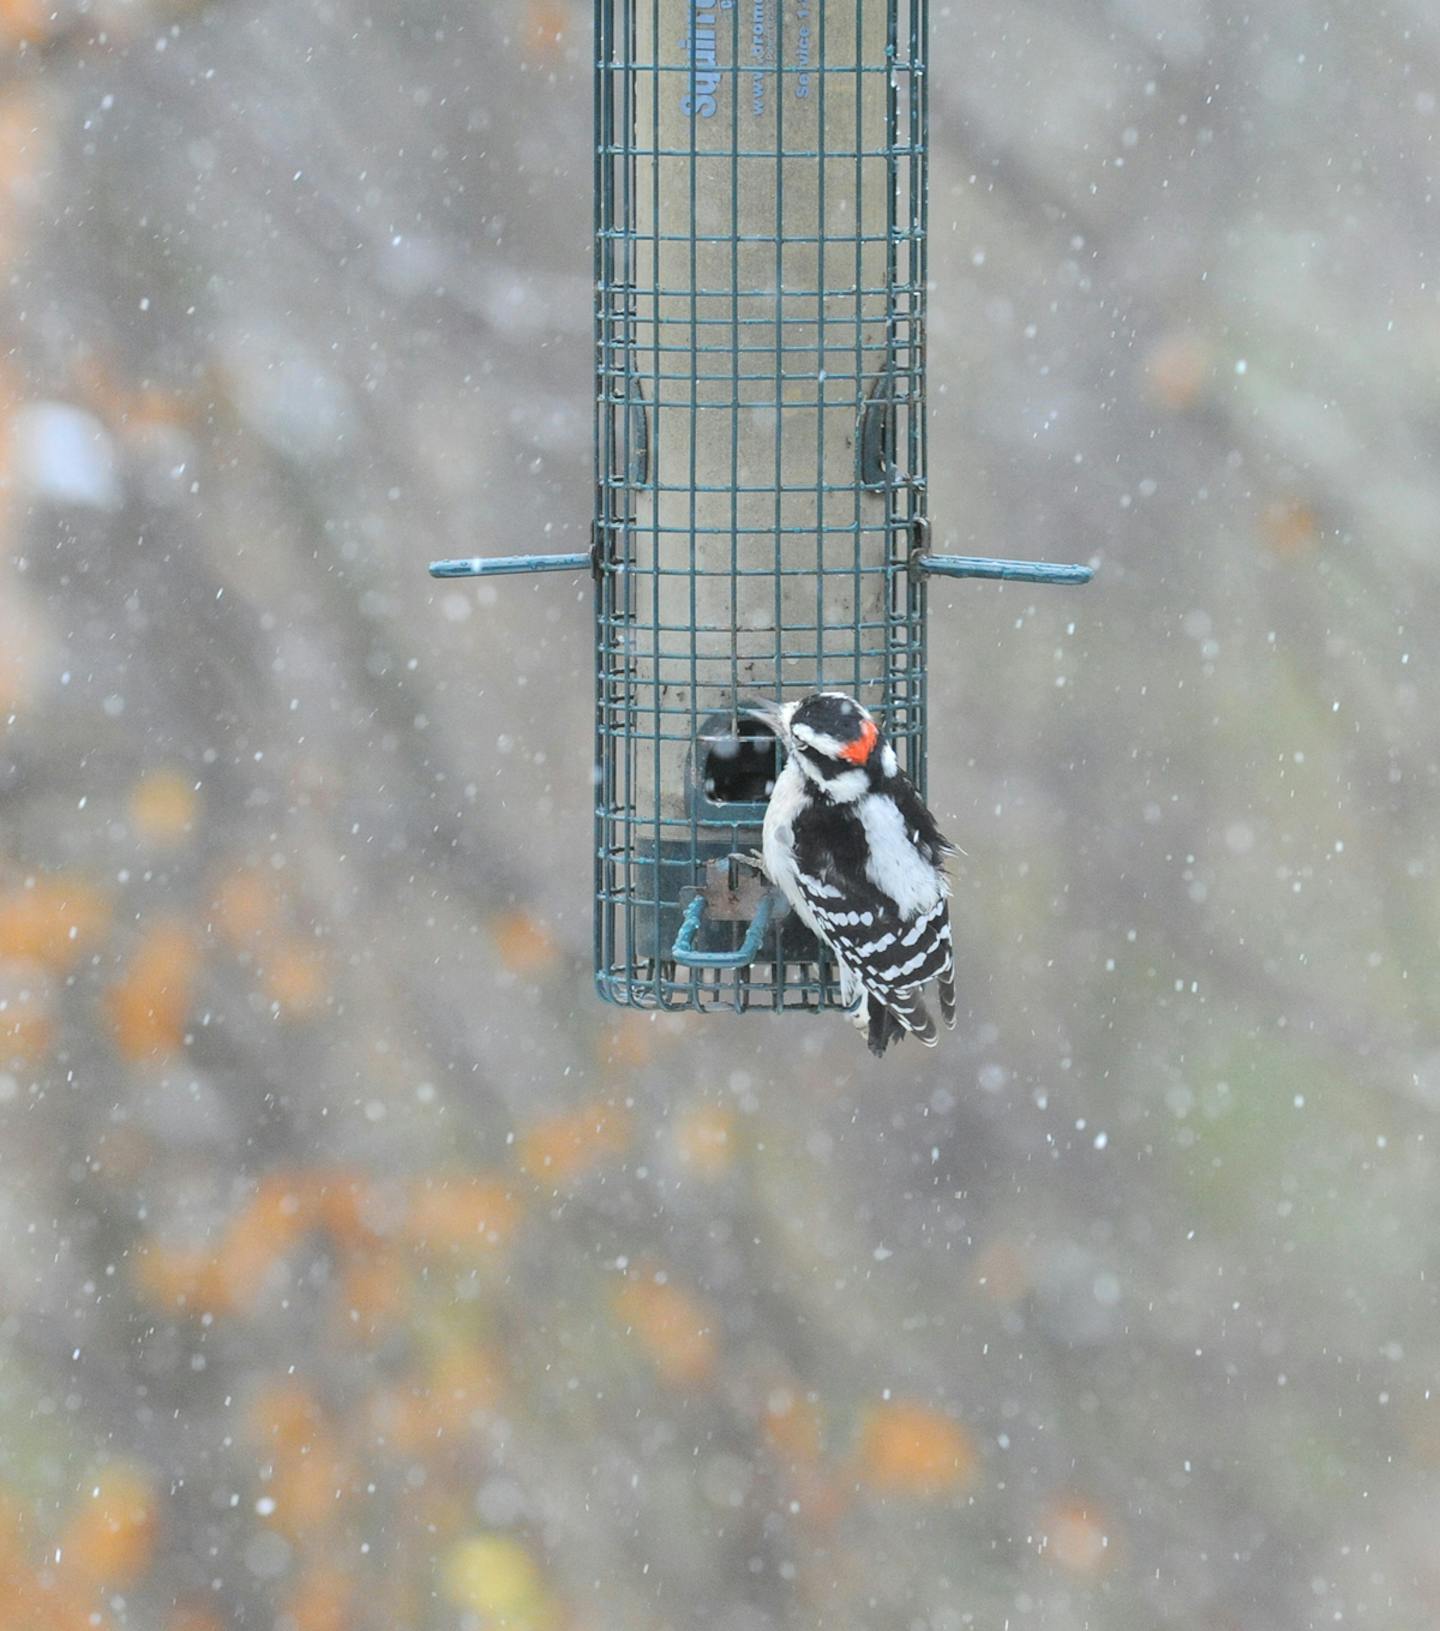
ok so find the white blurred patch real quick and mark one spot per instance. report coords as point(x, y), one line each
point(285, 393)
point(65, 455)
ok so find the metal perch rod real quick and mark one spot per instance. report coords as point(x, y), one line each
point(940, 566)
point(494, 566)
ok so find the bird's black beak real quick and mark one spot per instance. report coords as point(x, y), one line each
point(771, 715)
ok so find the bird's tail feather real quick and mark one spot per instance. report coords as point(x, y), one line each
point(884, 1027)
point(906, 1011)
point(946, 992)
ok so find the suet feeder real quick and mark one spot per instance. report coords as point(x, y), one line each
point(760, 523)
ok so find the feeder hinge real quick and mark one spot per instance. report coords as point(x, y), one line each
point(597, 551)
point(919, 547)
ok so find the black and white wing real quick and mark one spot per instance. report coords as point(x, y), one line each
point(884, 958)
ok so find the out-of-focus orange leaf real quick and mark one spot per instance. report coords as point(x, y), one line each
point(110, 1536)
point(676, 1330)
point(562, 1147)
point(53, 921)
point(463, 1213)
point(1078, 1540)
point(306, 1487)
point(1002, 1271)
point(13, 1540)
point(25, 22)
point(1176, 370)
point(52, 1602)
point(26, 1027)
point(296, 978)
point(149, 1005)
point(909, 1449)
point(705, 1138)
point(320, 1602)
point(545, 25)
point(524, 945)
point(463, 1381)
point(374, 1292)
point(1289, 528)
point(792, 1426)
point(246, 906)
point(175, 1278)
point(340, 1197)
point(308, 1468)
point(285, 1207)
point(401, 1421)
point(27, 123)
point(629, 1042)
point(284, 1418)
point(193, 1619)
point(162, 807)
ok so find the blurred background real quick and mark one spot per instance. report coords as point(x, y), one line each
point(359, 1270)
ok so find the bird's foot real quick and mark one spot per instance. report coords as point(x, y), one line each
point(751, 858)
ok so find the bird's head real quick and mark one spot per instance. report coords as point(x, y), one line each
point(833, 739)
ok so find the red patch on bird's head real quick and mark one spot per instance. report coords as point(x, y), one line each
point(858, 752)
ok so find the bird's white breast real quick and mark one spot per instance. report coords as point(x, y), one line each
point(894, 864)
point(778, 838)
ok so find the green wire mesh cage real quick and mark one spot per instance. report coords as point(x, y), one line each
point(760, 476)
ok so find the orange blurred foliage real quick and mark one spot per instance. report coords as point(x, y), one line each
point(51, 1602)
point(246, 905)
point(545, 25)
point(285, 1207)
point(320, 1602)
point(792, 1426)
point(629, 1043)
point(545, 28)
point(162, 807)
point(340, 1197)
point(284, 1418)
point(705, 1138)
point(308, 1468)
point(1176, 370)
point(296, 978)
point(562, 1147)
point(910, 1449)
point(674, 1328)
point(463, 1381)
point(53, 921)
point(306, 1488)
point(25, 22)
point(136, 411)
point(148, 1006)
point(1077, 1539)
point(1002, 1271)
point(374, 1292)
point(524, 944)
point(193, 1619)
point(1289, 528)
point(110, 1536)
point(177, 1278)
point(13, 1542)
point(463, 1213)
point(26, 1027)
